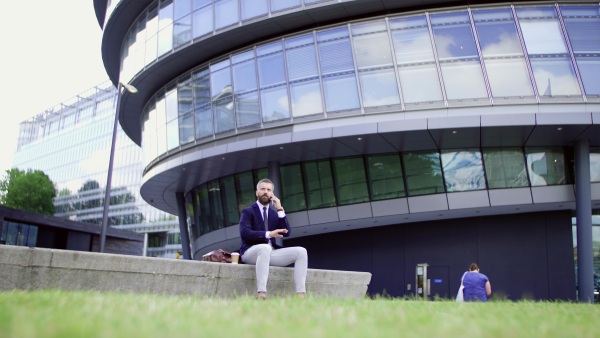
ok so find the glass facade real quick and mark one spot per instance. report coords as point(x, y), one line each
point(21, 234)
point(349, 180)
point(71, 144)
point(480, 56)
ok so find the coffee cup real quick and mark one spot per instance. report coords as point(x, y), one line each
point(235, 257)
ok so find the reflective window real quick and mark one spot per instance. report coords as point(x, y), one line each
point(277, 5)
point(505, 168)
point(595, 165)
point(216, 205)
point(18, 234)
point(202, 20)
point(303, 75)
point(226, 13)
point(205, 219)
point(385, 177)
point(230, 201)
point(165, 27)
point(337, 67)
point(186, 128)
point(350, 181)
point(458, 56)
point(151, 35)
point(546, 166)
point(271, 74)
point(254, 8)
point(245, 89)
point(202, 110)
point(221, 90)
point(292, 189)
point(583, 27)
point(416, 65)
point(374, 60)
point(502, 52)
point(552, 68)
point(423, 173)
point(463, 170)
point(319, 184)
point(161, 124)
point(246, 190)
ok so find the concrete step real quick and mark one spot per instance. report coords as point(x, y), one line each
point(37, 268)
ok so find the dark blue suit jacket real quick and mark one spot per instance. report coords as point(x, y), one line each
point(252, 229)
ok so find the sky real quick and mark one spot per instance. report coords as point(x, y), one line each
point(50, 51)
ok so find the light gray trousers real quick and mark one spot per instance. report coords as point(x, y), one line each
point(263, 255)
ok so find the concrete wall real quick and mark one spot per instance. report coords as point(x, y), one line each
point(37, 268)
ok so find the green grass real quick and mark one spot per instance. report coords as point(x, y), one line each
point(92, 314)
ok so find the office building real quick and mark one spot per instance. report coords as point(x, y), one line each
point(70, 142)
point(397, 132)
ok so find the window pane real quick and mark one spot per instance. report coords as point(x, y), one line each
point(379, 88)
point(583, 27)
point(319, 184)
point(226, 13)
point(340, 93)
point(420, 83)
point(171, 103)
point(555, 76)
point(463, 80)
point(246, 189)
point(201, 87)
point(423, 173)
point(371, 45)
point(186, 128)
point(541, 30)
point(184, 96)
point(277, 5)
point(463, 170)
point(292, 188)
point(220, 80)
point(247, 110)
point(306, 98)
point(595, 165)
point(350, 180)
point(301, 57)
point(172, 134)
point(216, 206)
point(335, 53)
point(546, 166)
point(183, 31)
point(230, 207)
point(274, 103)
point(501, 49)
point(505, 168)
point(254, 8)
point(244, 76)
point(204, 125)
point(270, 64)
point(385, 177)
point(203, 21)
point(205, 211)
point(224, 117)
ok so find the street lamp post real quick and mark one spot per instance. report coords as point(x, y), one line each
point(132, 90)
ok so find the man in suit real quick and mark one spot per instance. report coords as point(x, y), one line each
point(258, 240)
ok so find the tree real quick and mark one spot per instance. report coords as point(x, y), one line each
point(30, 190)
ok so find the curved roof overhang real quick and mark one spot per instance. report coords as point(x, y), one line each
point(170, 66)
point(100, 9)
point(289, 144)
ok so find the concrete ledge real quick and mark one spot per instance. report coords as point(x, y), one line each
point(37, 268)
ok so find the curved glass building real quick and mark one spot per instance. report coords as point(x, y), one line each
point(396, 132)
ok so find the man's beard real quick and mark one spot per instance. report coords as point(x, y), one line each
point(264, 200)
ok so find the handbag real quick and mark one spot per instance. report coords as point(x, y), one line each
point(218, 256)
point(460, 294)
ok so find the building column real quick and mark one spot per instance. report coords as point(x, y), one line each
point(583, 202)
point(273, 169)
point(183, 228)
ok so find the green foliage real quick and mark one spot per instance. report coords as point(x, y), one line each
point(52, 313)
point(30, 190)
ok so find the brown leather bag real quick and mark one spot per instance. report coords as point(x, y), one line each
point(219, 256)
